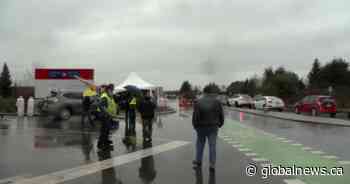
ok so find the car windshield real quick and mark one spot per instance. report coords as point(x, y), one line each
point(53, 94)
point(327, 99)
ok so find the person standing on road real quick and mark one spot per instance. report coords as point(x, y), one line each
point(107, 111)
point(132, 106)
point(88, 95)
point(147, 111)
point(207, 118)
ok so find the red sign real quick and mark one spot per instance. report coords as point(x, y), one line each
point(63, 74)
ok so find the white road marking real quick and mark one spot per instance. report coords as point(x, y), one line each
point(227, 139)
point(233, 142)
point(317, 152)
point(237, 146)
point(287, 141)
point(14, 179)
point(260, 160)
point(251, 154)
point(344, 162)
point(281, 138)
point(330, 157)
point(270, 134)
point(244, 149)
point(296, 144)
point(80, 171)
point(307, 148)
point(293, 181)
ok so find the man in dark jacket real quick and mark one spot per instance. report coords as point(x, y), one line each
point(146, 109)
point(208, 117)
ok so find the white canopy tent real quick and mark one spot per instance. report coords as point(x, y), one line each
point(135, 80)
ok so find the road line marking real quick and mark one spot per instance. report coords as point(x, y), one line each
point(80, 171)
point(281, 138)
point(14, 179)
point(227, 139)
point(317, 152)
point(237, 145)
point(306, 148)
point(233, 142)
point(296, 144)
point(251, 154)
point(244, 149)
point(344, 162)
point(330, 157)
point(287, 141)
point(260, 160)
point(293, 181)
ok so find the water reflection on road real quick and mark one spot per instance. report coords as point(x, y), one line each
point(330, 139)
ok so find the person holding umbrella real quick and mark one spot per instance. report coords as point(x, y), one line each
point(130, 134)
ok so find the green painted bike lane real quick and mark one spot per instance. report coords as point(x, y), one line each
point(281, 152)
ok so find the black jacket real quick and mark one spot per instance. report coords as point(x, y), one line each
point(147, 108)
point(208, 112)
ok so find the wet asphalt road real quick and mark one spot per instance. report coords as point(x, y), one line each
point(331, 139)
point(33, 147)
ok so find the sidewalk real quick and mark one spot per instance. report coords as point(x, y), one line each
point(295, 117)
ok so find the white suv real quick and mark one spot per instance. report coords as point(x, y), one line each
point(269, 103)
point(241, 100)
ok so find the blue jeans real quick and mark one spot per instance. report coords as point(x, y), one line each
point(211, 134)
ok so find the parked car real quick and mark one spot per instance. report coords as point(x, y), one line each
point(223, 99)
point(316, 104)
point(269, 103)
point(62, 104)
point(241, 100)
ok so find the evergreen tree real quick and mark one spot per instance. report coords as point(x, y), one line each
point(314, 75)
point(186, 90)
point(5, 81)
point(212, 88)
point(185, 87)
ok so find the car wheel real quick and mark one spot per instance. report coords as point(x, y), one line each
point(280, 110)
point(65, 114)
point(236, 104)
point(332, 115)
point(297, 110)
point(313, 112)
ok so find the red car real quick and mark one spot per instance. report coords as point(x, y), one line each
point(316, 104)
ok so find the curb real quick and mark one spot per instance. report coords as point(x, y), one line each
point(295, 117)
point(2, 114)
point(167, 112)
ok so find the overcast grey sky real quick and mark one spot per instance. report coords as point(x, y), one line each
point(168, 41)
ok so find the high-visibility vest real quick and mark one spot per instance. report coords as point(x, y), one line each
point(89, 92)
point(132, 103)
point(111, 105)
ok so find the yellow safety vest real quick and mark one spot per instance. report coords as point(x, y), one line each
point(132, 103)
point(111, 105)
point(89, 92)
